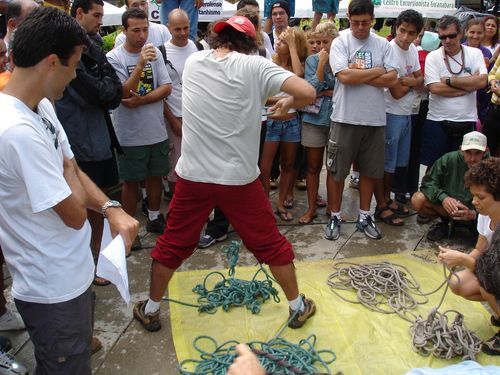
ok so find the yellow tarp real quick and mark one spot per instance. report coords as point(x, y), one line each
point(365, 342)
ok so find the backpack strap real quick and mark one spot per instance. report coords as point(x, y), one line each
point(163, 51)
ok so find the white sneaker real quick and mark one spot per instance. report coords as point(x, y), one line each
point(11, 321)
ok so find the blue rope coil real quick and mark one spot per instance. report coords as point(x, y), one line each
point(277, 356)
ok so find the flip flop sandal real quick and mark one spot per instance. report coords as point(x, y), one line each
point(320, 202)
point(400, 210)
point(305, 222)
point(99, 281)
point(284, 215)
point(288, 204)
point(390, 219)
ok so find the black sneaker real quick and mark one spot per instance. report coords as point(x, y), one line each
point(207, 240)
point(299, 319)
point(438, 231)
point(157, 225)
point(5, 344)
point(151, 322)
point(492, 346)
point(495, 321)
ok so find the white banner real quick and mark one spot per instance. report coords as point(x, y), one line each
point(210, 11)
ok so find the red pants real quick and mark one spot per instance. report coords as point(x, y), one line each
point(246, 207)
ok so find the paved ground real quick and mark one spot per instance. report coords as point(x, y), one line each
point(128, 349)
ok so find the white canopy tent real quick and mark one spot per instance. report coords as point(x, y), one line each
point(112, 15)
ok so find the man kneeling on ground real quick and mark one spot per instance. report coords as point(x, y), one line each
point(443, 193)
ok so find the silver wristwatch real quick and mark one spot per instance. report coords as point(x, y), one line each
point(109, 204)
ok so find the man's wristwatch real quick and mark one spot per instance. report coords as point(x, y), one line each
point(109, 204)
point(448, 81)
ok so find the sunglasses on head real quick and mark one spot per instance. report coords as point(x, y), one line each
point(449, 36)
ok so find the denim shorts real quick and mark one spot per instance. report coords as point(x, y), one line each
point(325, 6)
point(285, 131)
point(397, 142)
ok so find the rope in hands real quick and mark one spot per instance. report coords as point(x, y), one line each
point(392, 289)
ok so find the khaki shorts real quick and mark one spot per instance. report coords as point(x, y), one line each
point(356, 143)
point(314, 135)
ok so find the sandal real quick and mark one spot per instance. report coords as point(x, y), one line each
point(99, 281)
point(391, 219)
point(283, 214)
point(320, 202)
point(399, 210)
point(288, 204)
point(307, 219)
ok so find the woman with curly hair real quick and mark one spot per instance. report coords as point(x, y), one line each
point(480, 281)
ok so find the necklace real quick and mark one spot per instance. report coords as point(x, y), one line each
point(460, 64)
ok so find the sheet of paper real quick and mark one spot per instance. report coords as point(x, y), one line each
point(112, 264)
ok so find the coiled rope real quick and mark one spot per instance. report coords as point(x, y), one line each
point(278, 356)
point(229, 292)
point(391, 288)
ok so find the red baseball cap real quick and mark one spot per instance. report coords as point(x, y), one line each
point(239, 23)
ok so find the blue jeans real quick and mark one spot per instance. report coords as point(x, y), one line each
point(397, 141)
point(188, 6)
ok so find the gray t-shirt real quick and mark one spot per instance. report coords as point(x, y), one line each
point(359, 104)
point(143, 125)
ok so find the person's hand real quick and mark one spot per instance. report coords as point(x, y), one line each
point(246, 363)
point(463, 213)
point(289, 37)
point(323, 56)
point(148, 53)
point(122, 223)
point(450, 205)
point(450, 258)
point(134, 101)
point(198, 3)
point(495, 86)
point(281, 107)
point(407, 81)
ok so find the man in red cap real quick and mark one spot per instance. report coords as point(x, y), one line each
point(223, 93)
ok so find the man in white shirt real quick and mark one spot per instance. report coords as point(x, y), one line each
point(158, 34)
point(139, 122)
point(217, 168)
point(453, 74)
point(398, 105)
point(363, 65)
point(44, 197)
point(178, 49)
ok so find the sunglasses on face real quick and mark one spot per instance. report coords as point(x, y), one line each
point(449, 36)
point(50, 127)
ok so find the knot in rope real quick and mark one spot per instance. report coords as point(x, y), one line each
point(434, 336)
point(232, 252)
point(278, 356)
point(231, 292)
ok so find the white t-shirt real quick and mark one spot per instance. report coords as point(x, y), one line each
point(359, 104)
point(177, 56)
point(461, 108)
point(483, 227)
point(267, 44)
point(158, 34)
point(222, 101)
point(49, 261)
point(142, 125)
point(406, 64)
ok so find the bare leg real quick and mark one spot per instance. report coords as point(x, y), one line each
point(335, 196)
point(366, 190)
point(129, 196)
point(266, 163)
point(492, 301)
point(153, 189)
point(316, 20)
point(466, 285)
point(285, 275)
point(160, 277)
point(314, 163)
point(287, 159)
